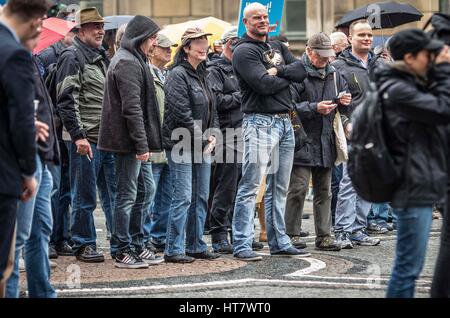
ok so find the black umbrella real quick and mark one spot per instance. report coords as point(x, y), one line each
point(392, 14)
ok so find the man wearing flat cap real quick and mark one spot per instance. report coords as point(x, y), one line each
point(80, 77)
point(415, 115)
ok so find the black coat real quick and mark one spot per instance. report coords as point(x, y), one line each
point(261, 92)
point(227, 92)
point(320, 147)
point(357, 77)
point(189, 98)
point(414, 124)
point(17, 132)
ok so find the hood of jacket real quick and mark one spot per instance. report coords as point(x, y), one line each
point(398, 69)
point(347, 56)
point(139, 29)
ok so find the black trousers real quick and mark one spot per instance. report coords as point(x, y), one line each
point(441, 281)
point(8, 213)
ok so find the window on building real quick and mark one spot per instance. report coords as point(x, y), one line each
point(92, 3)
point(444, 6)
point(294, 19)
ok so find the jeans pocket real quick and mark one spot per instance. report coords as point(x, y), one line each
point(263, 121)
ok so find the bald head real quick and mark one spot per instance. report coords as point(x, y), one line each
point(252, 8)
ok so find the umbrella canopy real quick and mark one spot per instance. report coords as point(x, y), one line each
point(116, 21)
point(209, 25)
point(392, 14)
point(53, 30)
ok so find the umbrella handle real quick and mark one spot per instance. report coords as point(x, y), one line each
point(427, 24)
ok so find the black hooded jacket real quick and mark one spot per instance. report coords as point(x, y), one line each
point(414, 122)
point(261, 92)
point(131, 120)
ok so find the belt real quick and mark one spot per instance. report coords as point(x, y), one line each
point(282, 116)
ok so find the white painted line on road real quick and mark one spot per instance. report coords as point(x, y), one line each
point(232, 283)
point(315, 265)
point(357, 278)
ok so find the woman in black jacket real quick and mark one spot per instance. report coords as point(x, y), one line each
point(189, 113)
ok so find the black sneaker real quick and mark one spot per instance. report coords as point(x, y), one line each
point(52, 254)
point(149, 245)
point(64, 249)
point(291, 252)
point(257, 246)
point(179, 259)
point(128, 259)
point(328, 244)
point(248, 256)
point(88, 254)
point(149, 257)
point(207, 255)
point(222, 247)
point(304, 233)
point(297, 242)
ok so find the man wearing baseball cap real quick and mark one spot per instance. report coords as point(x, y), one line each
point(415, 114)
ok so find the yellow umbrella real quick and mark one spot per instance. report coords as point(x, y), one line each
point(210, 25)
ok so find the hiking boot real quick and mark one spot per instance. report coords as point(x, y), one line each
point(248, 256)
point(206, 255)
point(361, 238)
point(343, 239)
point(375, 228)
point(149, 257)
point(179, 259)
point(257, 246)
point(328, 244)
point(64, 249)
point(88, 254)
point(304, 233)
point(297, 242)
point(223, 247)
point(52, 254)
point(291, 252)
point(128, 259)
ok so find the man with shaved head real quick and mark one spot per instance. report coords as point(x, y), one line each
point(268, 134)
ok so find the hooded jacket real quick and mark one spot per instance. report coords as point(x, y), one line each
point(320, 148)
point(261, 92)
point(131, 120)
point(228, 94)
point(415, 115)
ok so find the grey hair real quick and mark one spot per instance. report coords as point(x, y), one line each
point(120, 33)
point(338, 37)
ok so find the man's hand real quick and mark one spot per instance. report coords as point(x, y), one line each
point(272, 71)
point(42, 131)
point(346, 100)
point(348, 130)
point(211, 145)
point(144, 157)
point(84, 148)
point(29, 187)
point(326, 107)
point(444, 56)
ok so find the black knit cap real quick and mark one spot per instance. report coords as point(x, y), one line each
point(412, 41)
point(138, 30)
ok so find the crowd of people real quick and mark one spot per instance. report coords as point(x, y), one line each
point(167, 149)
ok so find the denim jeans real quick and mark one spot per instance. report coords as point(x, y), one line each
point(186, 221)
point(379, 214)
point(413, 226)
point(85, 177)
point(61, 199)
point(268, 150)
point(336, 178)
point(134, 194)
point(155, 225)
point(351, 210)
point(34, 227)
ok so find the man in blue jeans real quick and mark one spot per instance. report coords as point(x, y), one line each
point(80, 78)
point(131, 128)
point(268, 135)
point(415, 115)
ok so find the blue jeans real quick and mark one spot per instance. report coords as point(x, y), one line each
point(34, 227)
point(351, 210)
point(268, 150)
point(413, 226)
point(135, 192)
point(155, 225)
point(85, 177)
point(379, 214)
point(187, 214)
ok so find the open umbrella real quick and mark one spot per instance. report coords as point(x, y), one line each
point(53, 30)
point(116, 21)
point(392, 14)
point(209, 25)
